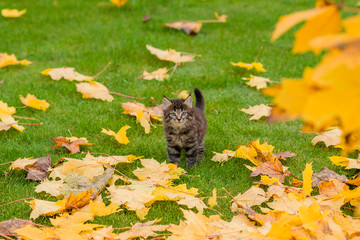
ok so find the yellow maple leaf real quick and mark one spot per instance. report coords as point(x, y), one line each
point(75, 200)
point(94, 89)
point(189, 27)
point(120, 136)
point(212, 200)
point(6, 60)
point(5, 110)
point(223, 157)
point(22, 163)
point(258, 111)
point(330, 138)
point(183, 94)
point(67, 73)
point(258, 82)
point(255, 65)
point(140, 116)
point(221, 18)
point(339, 161)
point(307, 174)
point(12, 13)
point(171, 55)
point(98, 208)
point(43, 207)
point(9, 121)
point(32, 101)
point(119, 3)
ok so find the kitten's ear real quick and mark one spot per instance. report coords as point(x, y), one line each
point(166, 102)
point(188, 101)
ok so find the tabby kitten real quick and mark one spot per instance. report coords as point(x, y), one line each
point(185, 128)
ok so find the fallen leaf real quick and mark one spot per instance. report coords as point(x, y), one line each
point(120, 136)
point(39, 170)
point(119, 3)
point(42, 207)
point(146, 18)
point(271, 169)
point(143, 120)
point(76, 200)
point(159, 74)
point(32, 101)
point(72, 145)
point(251, 197)
point(68, 73)
point(212, 200)
point(283, 155)
point(132, 108)
point(330, 138)
point(8, 122)
point(223, 157)
point(94, 89)
point(258, 111)
point(183, 94)
point(326, 175)
point(51, 187)
point(5, 110)
point(12, 13)
point(350, 163)
point(255, 65)
point(307, 174)
point(22, 163)
point(112, 160)
point(143, 230)
point(6, 60)
point(171, 55)
point(258, 82)
point(8, 227)
point(189, 27)
point(221, 18)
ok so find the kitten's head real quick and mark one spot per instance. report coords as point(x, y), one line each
point(178, 111)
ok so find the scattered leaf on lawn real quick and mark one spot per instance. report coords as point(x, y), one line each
point(6, 60)
point(132, 108)
point(8, 227)
point(283, 155)
point(119, 3)
point(258, 111)
point(5, 110)
point(255, 65)
point(37, 168)
point(94, 89)
point(43, 207)
point(22, 163)
point(171, 55)
point(221, 18)
point(307, 174)
point(326, 175)
point(183, 94)
point(350, 163)
point(251, 197)
point(143, 120)
point(212, 200)
point(8, 122)
point(223, 157)
point(12, 13)
point(68, 73)
point(159, 74)
point(258, 82)
point(330, 138)
point(120, 136)
point(32, 101)
point(271, 169)
point(73, 145)
point(189, 27)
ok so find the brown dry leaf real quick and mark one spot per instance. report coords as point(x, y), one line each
point(95, 90)
point(330, 138)
point(283, 155)
point(76, 200)
point(258, 82)
point(8, 227)
point(143, 230)
point(258, 111)
point(39, 170)
point(326, 175)
point(67, 73)
point(171, 55)
point(159, 74)
point(271, 169)
point(6, 60)
point(32, 101)
point(72, 144)
point(189, 27)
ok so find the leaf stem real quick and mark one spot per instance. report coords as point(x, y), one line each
point(25, 118)
point(23, 199)
point(258, 53)
point(32, 124)
point(96, 75)
point(123, 95)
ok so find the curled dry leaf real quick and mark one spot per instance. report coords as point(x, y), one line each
point(12, 13)
point(258, 82)
point(68, 73)
point(143, 230)
point(37, 168)
point(271, 169)
point(120, 136)
point(32, 101)
point(159, 74)
point(8, 227)
point(330, 138)
point(249, 66)
point(283, 155)
point(189, 27)
point(6, 60)
point(94, 89)
point(223, 157)
point(258, 111)
point(326, 175)
point(171, 55)
point(72, 144)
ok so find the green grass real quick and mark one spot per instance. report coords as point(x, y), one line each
point(85, 35)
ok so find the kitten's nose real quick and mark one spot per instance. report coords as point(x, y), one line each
point(178, 118)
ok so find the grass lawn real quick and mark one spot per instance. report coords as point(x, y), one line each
point(89, 34)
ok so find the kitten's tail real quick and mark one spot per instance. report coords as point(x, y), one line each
point(200, 103)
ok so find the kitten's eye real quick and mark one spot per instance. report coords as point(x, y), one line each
point(183, 114)
point(173, 114)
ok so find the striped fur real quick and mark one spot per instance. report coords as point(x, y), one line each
point(185, 128)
